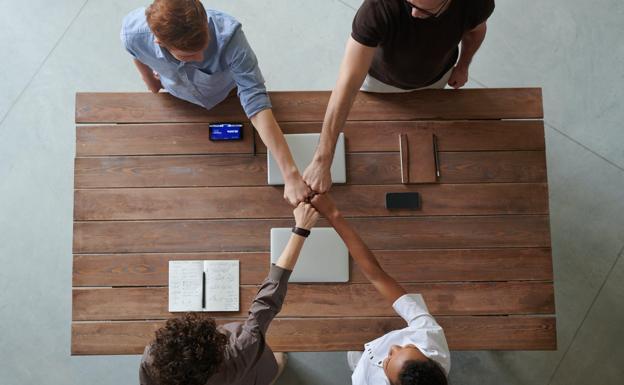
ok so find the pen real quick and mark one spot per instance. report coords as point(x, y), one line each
point(435, 155)
point(203, 290)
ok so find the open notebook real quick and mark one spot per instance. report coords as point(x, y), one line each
point(203, 286)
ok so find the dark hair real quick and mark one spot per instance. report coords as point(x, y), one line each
point(426, 372)
point(187, 350)
point(179, 24)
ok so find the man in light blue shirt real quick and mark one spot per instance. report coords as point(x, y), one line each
point(201, 56)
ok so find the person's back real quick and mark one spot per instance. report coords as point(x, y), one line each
point(193, 350)
point(415, 355)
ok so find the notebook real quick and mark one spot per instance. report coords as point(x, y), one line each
point(203, 286)
point(323, 258)
point(302, 148)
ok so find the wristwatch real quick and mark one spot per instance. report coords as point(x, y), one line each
point(299, 231)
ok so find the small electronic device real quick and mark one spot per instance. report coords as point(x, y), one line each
point(403, 200)
point(226, 131)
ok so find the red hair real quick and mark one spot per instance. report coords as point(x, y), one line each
point(179, 24)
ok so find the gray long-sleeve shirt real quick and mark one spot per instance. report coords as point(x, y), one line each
point(248, 358)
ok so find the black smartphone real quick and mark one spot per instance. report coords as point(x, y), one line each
point(403, 200)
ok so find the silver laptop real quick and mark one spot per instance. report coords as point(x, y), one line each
point(324, 256)
point(302, 147)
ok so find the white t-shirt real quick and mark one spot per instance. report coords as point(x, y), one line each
point(422, 331)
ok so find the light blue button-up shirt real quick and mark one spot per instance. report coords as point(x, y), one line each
point(228, 62)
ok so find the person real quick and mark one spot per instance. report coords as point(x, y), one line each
point(399, 46)
point(193, 350)
point(201, 55)
point(415, 355)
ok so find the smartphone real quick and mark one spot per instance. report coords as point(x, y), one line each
point(226, 131)
point(403, 200)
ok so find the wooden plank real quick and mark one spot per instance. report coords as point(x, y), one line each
point(243, 170)
point(405, 266)
point(354, 201)
point(293, 106)
point(373, 136)
point(152, 139)
point(329, 300)
point(310, 334)
point(253, 235)
point(465, 135)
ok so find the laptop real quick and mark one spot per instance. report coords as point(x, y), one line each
point(323, 258)
point(302, 148)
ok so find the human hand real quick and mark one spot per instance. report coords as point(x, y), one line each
point(153, 82)
point(296, 191)
point(318, 176)
point(305, 215)
point(459, 77)
point(325, 205)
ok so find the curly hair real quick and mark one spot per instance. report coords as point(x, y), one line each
point(422, 373)
point(187, 351)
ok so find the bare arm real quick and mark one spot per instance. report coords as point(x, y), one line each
point(305, 217)
point(362, 255)
point(295, 190)
point(355, 65)
point(151, 81)
point(471, 41)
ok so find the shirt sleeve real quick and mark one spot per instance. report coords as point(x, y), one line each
point(243, 63)
point(478, 13)
point(125, 36)
point(412, 308)
point(370, 24)
point(268, 302)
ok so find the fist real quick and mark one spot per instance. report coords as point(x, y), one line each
point(305, 216)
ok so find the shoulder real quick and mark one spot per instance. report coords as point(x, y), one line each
point(135, 30)
point(224, 26)
point(135, 22)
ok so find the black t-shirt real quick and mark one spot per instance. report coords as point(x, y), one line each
point(412, 52)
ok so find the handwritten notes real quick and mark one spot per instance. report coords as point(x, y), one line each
point(221, 290)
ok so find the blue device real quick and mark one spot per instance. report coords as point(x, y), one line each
point(226, 131)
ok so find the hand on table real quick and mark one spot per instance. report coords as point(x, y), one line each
point(153, 82)
point(459, 77)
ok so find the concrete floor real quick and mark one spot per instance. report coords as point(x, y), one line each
point(571, 48)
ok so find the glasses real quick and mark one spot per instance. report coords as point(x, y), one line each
point(430, 12)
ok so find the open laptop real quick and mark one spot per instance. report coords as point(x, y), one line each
point(302, 147)
point(323, 258)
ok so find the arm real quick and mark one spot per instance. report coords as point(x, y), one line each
point(355, 65)
point(295, 190)
point(268, 302)
point(149, 77)
point(255, 101)
point(362, 255)
point(471, 41)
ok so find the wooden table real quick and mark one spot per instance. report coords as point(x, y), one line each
point(150, 187)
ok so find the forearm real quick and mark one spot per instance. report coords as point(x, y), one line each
point(366, 261)
point(353, 69)
point(273, 138)
point(143, 69)
point(289, 256)
point(340, 103)
point(470, 44)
